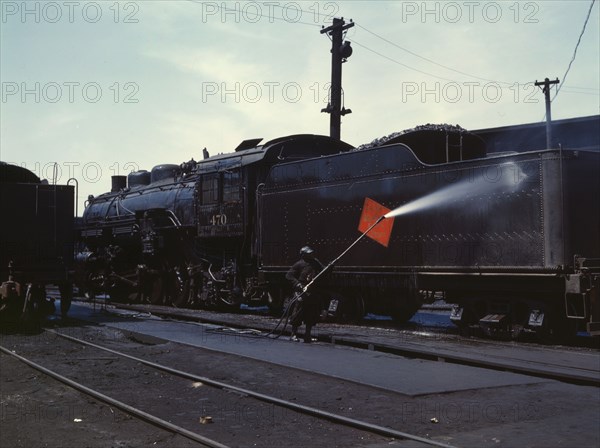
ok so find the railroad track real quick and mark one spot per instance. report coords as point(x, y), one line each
point(245, 393)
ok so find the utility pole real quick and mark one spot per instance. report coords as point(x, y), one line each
point(340, 51)
point(546, 89)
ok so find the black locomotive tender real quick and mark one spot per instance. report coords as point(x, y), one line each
point(521, 256)
point(36, 239)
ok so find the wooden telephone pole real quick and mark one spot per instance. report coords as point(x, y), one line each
point(340, 51)
point(546, 89)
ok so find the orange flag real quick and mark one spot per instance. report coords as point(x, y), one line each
point(371, 212)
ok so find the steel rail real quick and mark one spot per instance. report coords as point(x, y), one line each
point(118, 404)
point(319, 413)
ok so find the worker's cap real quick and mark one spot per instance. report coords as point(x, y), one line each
point(306, 250)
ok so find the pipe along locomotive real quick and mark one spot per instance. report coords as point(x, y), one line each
point(36, 239)
point(511, 238)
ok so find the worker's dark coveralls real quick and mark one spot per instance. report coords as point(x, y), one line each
point(308, 307)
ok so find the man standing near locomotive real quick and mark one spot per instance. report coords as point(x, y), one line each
point(307, 306)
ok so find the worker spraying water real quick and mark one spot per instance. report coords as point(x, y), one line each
point(377, 221)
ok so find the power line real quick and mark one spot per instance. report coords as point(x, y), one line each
point(502, 84)
point(400, 63)
point(430, 60)
point(505, 83)
point(582, 93)
point(576, 47)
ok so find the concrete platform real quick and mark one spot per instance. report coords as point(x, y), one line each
point(411, 377)
point(582, 363)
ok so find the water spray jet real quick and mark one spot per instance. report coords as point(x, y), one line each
point(461, 190)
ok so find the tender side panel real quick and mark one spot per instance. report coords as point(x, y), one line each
point(482, 215)
point(581, 174)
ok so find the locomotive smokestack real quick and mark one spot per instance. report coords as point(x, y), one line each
point(118, 183)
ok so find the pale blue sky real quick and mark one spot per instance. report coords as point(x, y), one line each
point(101, 87)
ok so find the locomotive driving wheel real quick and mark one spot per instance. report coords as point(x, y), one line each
point(274, 298)
point(405, 307)
point(356, 311)
point(152, 287)
point(179, 287)
point(157, 289)
point(35, 308)
point(556, 328)
point(346, 308)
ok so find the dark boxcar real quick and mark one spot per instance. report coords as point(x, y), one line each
point(504, 237)
point(36, 228)
point(36, 233)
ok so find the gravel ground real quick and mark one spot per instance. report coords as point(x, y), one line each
point(37, 411)
point(236, 419)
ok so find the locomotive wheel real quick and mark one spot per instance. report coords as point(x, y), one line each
point(118, 293)
point(227, 303)
point(351, 308)
point(469, 325)
point(404, 309)
point(406, 301)
point(274, 302)
point(34, 309)
point(403, 314)
point(179, 289)
point(153, 290)
point(357, 310)
point(66, 295)
point(157, 290)
point(556, 329)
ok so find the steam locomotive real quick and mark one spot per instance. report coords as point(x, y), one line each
point(510, 238)
point(36, 236)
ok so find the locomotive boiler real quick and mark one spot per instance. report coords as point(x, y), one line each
point(187, 235)
point(510, 238)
